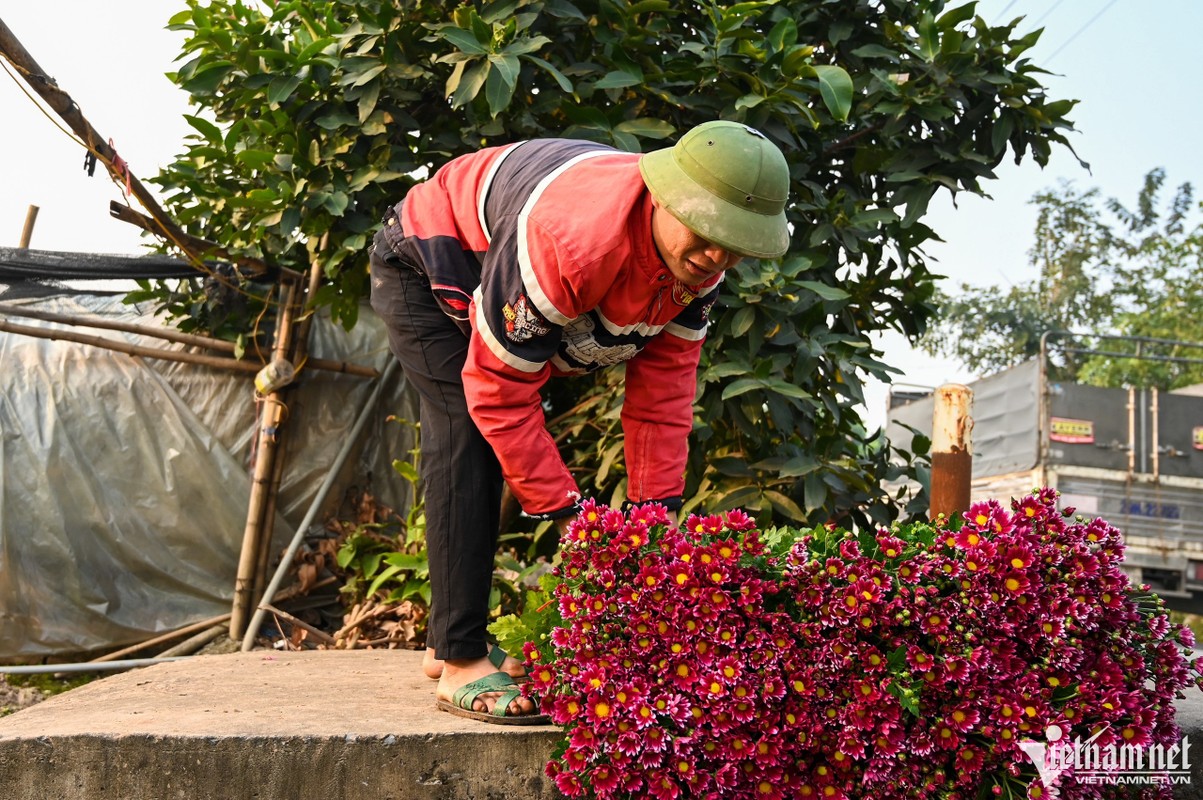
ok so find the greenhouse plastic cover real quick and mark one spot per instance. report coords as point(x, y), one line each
point(125, 481)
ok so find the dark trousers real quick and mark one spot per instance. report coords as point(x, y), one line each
point(461, 476)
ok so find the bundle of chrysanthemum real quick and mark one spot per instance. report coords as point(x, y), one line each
point(712, 660)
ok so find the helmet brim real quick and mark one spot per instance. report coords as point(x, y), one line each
point(739, 230)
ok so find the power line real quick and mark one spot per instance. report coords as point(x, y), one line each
point(1007, 6)
point(1044, 16)
point(1080, 30)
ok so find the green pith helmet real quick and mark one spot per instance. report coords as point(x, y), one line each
point(727, 183)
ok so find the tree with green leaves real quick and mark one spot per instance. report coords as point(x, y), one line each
point(313, 117)
point(1103, 270)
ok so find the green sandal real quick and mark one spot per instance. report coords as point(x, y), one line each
point(497, 657)
point(464, 697)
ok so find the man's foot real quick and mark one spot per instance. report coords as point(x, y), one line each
point(433, 667)
point(480, 701)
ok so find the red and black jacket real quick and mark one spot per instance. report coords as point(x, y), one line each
point(542, 252)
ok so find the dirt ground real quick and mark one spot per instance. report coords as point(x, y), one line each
point(15, 698)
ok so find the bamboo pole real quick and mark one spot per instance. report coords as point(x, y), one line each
point(295, 350)
point(130, 349)
point(148, 224)
point(31, 217)
point(248, 639)
point(59, 100)
point(196, 626)
point(166, 637)
point(263, 556)
point(329, 365)
point(267, 438)
point(191, 645)
point(166, 334)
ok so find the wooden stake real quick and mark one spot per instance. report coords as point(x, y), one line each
point(31, 216)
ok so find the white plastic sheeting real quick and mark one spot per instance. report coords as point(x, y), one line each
point(124, 482)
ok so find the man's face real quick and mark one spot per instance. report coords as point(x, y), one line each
point(690, 258)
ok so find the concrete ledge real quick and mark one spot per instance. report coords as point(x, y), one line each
point(333, 725)
point(325, 725)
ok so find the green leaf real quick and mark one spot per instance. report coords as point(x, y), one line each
point(617, 80)
point(367, 102)
point(612, 452)
point(796, 61)
point(907, 698)
point(835, 85)
point(406, 470)
point(464, 40)
point(408, 561)
point(795, 467)
point(508, 66)
point(829, 293)
point(383, 578)
point(551, 70)
point(470, 85)
point(648, 7)
point(646, 127)
point(736, 498)
point(256, 159)
point(784, 505)
point(929, 38)
point(873, 217)
point(337, 118)
point(784, 34)
point(743, 320)
point(736, 388)
point(336, 203)
point(206, 128)
point(499, 89)
point(282, 88)
point(748, 101)
point(953, 17)
point(522, 47)
point(368, 75)
point(346, 554)
point(788, 389)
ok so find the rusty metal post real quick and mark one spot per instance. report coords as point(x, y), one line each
point(951, 456)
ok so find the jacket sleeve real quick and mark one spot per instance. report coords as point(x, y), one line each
point(657, 410)
point(530, 286)
point(506, 406)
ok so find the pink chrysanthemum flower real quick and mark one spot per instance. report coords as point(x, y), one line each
point(648, 673)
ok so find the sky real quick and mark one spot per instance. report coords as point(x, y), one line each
point(1129, 63)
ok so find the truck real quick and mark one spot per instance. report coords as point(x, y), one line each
point(1133, 456)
